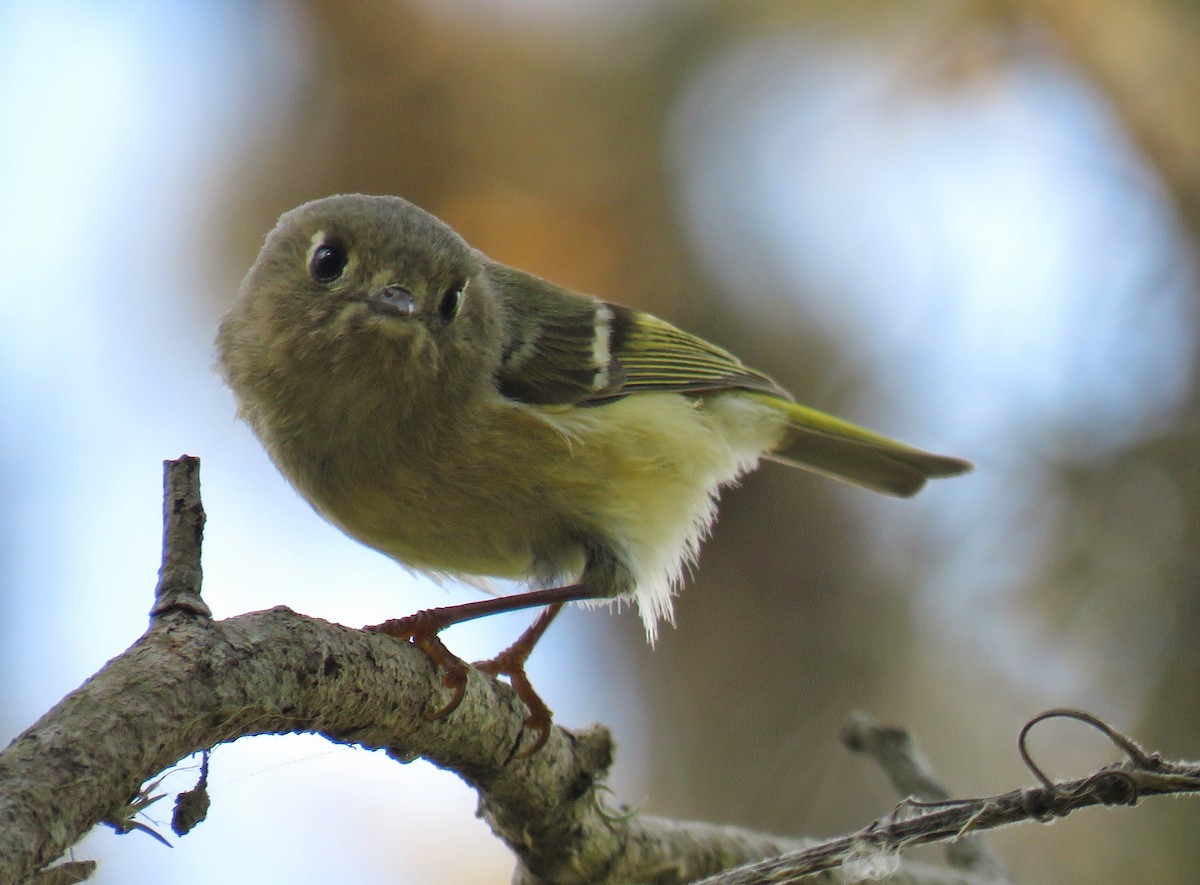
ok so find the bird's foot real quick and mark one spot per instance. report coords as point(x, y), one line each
point(421, 629)
point(511, 663)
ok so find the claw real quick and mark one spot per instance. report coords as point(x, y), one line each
point(421, 629)
point(454, 674)
point(511, 663)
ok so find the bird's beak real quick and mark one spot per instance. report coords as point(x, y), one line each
point(393, 300)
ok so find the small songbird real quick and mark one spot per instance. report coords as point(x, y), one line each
point(469, 419)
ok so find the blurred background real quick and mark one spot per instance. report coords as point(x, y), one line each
point(969, 224)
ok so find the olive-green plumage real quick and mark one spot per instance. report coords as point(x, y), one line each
point(469, 419)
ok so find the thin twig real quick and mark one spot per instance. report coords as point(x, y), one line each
point(183, 533)
point(1141, 774)
point(895, 751)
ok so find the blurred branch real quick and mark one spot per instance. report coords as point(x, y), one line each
point(874, 850)
point(190, 683)
point(895, 751)
point(1143, 56)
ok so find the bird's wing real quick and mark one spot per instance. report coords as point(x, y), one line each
point(569, 349)
point(654, 355)
point(559, 356)
point(564, 348)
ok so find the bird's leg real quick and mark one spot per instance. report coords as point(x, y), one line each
point(511, 663)
point(423, 627)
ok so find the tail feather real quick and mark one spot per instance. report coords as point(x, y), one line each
point(824, 444)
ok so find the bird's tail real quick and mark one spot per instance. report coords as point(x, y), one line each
point(819, 442)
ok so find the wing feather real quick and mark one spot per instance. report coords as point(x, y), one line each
point(654, 355)
point(570, 349)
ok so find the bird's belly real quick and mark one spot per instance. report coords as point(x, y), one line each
point(464, 521)
point(525, 493)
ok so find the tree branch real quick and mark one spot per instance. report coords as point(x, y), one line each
point(180, 575)
point(877, 846)
point(190, 683)
point(895, 751)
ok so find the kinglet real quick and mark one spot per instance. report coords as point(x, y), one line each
point(468, 419)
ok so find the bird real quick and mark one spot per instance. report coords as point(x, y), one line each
point(473, 422)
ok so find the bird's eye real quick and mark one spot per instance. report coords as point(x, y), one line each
point(328, 262)
point(451, 302)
